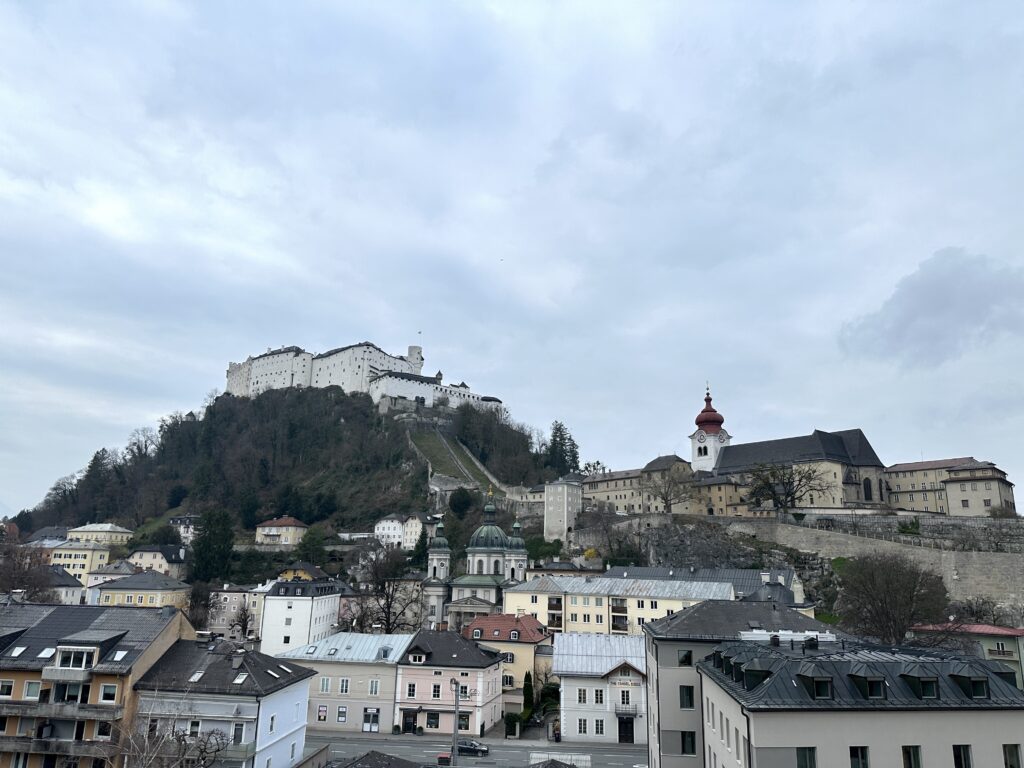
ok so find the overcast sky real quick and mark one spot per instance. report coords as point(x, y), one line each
point(585, 209)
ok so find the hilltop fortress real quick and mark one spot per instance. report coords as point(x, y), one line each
point(362, 367)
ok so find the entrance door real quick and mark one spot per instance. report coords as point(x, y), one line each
point(408, 722)
point(371, 720)
point(625, 730)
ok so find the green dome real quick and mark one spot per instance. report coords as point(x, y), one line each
point(515, 541)
point(439, 542)
point(488, 536)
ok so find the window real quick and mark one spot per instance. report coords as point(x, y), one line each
point(287, 639)
point(513, 635)
point(1011, 756)
point(986, 502)
point(640, 620)
point(639, 603)
point(342, 714)
point(508, 681)
point(321, 713)
point(859, 757)
point(965, 503)
point(193, 729)
point(581, 726)
point(654, 605)
point(325, 685)
point(463, 692)
point(581, 695)
point(375, 687)
point(979, 688)
point(624, 672)
point(410, 691)
point(686, 697)
point(108, 693)
point(963, 486)
point(806, 757)
point(293, 751)
point(433, 720)
point(435, 691)
point(416, 658)
point(6, 689)
point(962, 757)
point(599, 727)
point(688, 742)
point(876, 689)
point(911, 757)
point(343, 686)
point(288, 621)
point(624, 698)
point(685, 658)
point(600, 618)
point(239, 733)
point(273, 723)
point(32, 689)
point(104, 730)
point(822, 688)
point(463, 721)
point(599, 696)
point(477, 634)
point(599, 601)
point(533, 599)
point(586, 618)
point(574, 617)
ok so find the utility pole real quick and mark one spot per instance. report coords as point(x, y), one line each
point(454, 685)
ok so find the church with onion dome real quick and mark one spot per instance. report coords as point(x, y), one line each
point(494, 560)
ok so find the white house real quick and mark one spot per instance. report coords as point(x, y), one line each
point(297, 613)
point(66, 587)
point(187, 526)
point(399, 530)
point(604, 687)
point(257, 701)
point(563, 502)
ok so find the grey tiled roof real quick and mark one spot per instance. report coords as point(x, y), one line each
point(600, 585)
point(849, 446)
point(171, 553)
point(790, 674)
point(353, 647)
point(662, 462)
point(743, 580)
point(448, 649)
point(217, 662)
point(144, 581)
point(723, 619)
point(61, 578)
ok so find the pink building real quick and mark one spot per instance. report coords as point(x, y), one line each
point(432, 665)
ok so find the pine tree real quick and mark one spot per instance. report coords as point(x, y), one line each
point(212, 546)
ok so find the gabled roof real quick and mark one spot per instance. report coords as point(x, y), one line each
point(593, 655)
point(50, 532)
point(144, 581)
point(171, 553)
point(599, 585)
point(117, 566)
point(78, 544)
point(99, 528)
point(913, 466)
point(354, 647)
point(744, 580)
point(221, 664)
point(122, 634)
point(374, 759)
point(663, 462)
point(717, 620)
point(448, 649)
point(302, 565)
point(58, 577)
point(970, 629)
point(499, 626)
point(282, 522)
point(848, 446)
point(336, 350)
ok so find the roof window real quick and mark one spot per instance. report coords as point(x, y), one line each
point(929, 688)
point(119, 655)
point(332, 652)
point(273, 674)
point(46, 653)
point(196, 677)
point(241, 678)
point(822, 688)
point(18, 651)
point(286, 669)
point(311, 650)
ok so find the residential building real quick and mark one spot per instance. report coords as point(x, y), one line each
point(300, 570)
point(559, 567)
point(826, 704)
point(676, 643)
point(603, 688)
point(66, 674)
point(233, 613)
point(516, 639)
point(187, 527)
point(402, 530)
point(281, 531)
point(748, 583)
point(435, 668)
point(297, 613)
point(606, 606)
point(59, 532)
point(101, 533)
point(636, 491)
point(960, 487)
point(79, 558)
point(113, 571)
point(66, 587)
point(166, 559)
point(563, 503)
point(146, 589)
point(986, 641)
point(353, 689)
point(204, 688)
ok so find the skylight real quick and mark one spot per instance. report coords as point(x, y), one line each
point(311, 649)
point(196, 677)
point(46, 653)
point(118, 655)
point(286, 669)
point(18, 651)
point(241, 678)
point(332, 652)
point(272, 673)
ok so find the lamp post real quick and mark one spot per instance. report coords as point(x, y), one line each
point(454, 685)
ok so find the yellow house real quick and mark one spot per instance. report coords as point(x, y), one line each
point(300, 570)
point(281, 531)
point(80, 557)
point(147, 589)
point(607, 606)
point(517, 639)
point(101, 533)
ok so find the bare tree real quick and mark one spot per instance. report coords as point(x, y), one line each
point(786, 486)
point(24, 569)
point(669, 486)
point(243, 619)
point(141, 443)
point(884, 595)
point(390, 601)
point(152, 744)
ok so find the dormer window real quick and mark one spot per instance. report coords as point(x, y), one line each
point(929, 688)
point(822, 688)
point(513, 635)
point(979, 688)
point(476, 634)
point(416, 658)
point(75, 659)
point(385, 652)
point(876, 688)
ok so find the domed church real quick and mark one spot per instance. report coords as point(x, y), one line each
point(494, 560)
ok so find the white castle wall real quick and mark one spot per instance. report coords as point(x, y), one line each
point(353, 368)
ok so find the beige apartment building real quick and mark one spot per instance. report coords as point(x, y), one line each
point(80, 558)
point(825, 705)
point(281, 531)
point(604, 605)
point(634, 491)
point(963, 487)
point(147, 589)
point(101, 533)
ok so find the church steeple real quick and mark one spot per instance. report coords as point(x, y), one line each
point(709, 438)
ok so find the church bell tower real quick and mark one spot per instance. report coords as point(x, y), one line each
point(709, 438)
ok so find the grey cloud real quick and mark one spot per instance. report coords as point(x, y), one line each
point(953, 302)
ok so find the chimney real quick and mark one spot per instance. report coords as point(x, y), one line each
point(236, 660)
point(765, 577)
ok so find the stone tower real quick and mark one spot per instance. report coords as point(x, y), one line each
point(709, 438)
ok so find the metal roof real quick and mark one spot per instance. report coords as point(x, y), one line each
point(648, 588)
point(594, 655)
point(353, 647)
point(99, 528)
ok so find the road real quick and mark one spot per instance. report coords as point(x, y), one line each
point(503, 754)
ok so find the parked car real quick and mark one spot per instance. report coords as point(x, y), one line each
point(472, 747)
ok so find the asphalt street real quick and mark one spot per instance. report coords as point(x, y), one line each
point(504, 753)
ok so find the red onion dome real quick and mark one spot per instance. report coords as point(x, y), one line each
point(709, 419)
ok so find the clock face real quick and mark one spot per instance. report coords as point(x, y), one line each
point(701, 437)
point(721, 437)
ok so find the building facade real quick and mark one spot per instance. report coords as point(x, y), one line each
point(147, 589)
point(166, 559)
point(298, 613)
point(603, 688)
point(281, 531)
point(959, 487)
point(516, 639)
point(354, 688)
point(187, 527)
point(101, 533)
point(563, 503)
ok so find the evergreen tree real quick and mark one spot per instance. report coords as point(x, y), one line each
point(418, 558)
point(528, 691)
point(212, 546)
point(311, 547)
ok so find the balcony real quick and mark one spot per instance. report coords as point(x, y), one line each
point(66, 675)
point(554, 621)
point(61, 711)
point(68, 747)
point(619, 609)
point(241, 752)
point(626, 710)
point(619, 625)
point(554, 603)
point(997, 654)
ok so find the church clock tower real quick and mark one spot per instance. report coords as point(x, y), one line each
point(709, 438)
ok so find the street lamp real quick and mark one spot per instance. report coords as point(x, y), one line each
point(454, 685)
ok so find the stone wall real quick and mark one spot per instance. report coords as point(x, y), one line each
point(996, 575)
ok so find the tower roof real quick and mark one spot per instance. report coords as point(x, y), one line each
point(709, 419)
point(489, 535)
point(439, 542)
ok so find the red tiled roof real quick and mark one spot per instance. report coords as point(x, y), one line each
point(530, 629)
point(911, 466)
point(970, 629)
point(283, 521)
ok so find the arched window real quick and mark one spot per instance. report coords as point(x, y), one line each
point(497, 566)
point(881, 489)
point(867, 489)
point(480, 566)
